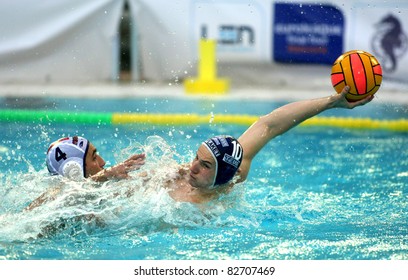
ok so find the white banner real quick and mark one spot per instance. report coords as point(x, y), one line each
point(381, 28)
point(59, 41)
point(241, 28)
point(77, 41)
point(168, 33)
point(165, 49)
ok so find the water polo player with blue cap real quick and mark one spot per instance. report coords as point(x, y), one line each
point(221, 158)
point(213, 171)
point(227, 154)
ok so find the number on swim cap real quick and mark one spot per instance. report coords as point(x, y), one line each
point(59, 155)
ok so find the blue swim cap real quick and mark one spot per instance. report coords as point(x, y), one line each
point(66, 157)
point(227, 153)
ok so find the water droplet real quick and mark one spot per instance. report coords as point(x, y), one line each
point(211, 118)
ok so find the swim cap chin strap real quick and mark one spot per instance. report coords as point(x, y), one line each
point(227, 153)
point(66, 157)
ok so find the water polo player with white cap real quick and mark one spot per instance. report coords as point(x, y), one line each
point(76, 158)
point(67, 157)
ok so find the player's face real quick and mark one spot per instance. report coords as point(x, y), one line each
point(93, 161)
point(202, 169)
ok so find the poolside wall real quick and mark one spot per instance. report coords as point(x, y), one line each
point(74, 41)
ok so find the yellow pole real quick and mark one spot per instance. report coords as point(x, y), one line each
point(207, 81)
point(207, 70)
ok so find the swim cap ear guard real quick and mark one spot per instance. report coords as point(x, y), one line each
point(72, 169)
point(228, 154)
point(66, 157)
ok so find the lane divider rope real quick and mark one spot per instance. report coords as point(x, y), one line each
point(43, 116)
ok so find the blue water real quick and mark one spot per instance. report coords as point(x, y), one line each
point(313, 193)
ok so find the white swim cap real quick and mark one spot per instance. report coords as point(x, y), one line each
point(66, 157)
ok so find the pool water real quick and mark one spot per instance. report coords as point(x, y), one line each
point(314, 193)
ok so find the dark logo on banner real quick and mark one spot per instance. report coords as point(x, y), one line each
point(307, 33)
point(389, 43)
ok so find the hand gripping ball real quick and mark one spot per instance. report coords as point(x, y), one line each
point(359, 70)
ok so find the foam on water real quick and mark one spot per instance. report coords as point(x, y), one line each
point(141, 204)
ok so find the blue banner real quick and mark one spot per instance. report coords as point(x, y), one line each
point(307, 33)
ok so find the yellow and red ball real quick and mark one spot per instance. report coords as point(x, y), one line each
point(359, 70)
